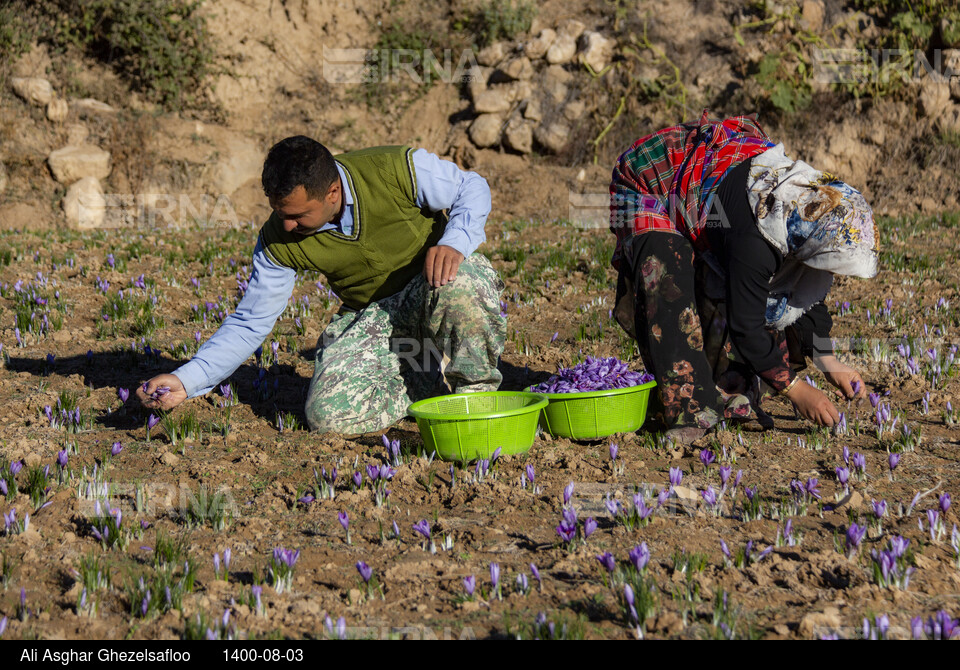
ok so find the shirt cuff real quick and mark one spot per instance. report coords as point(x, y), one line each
point(191, 376)
point(458, 240)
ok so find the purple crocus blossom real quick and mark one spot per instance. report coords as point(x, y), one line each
point(607, 560)
point(422, 527)
point(495, 574)
point(116, 448)
point(854, 536)
point(640, 556)
point(123, 394)
point(589, 525)
point(613, 451)
point(366, 572)
point(530, 472)
point(893, 460)
point(944, 502)
point(879, 508)
point(709, 496)
point(707, 457)
point(470, 584)
point(676, 476)
point(567, 493)
point(344, 520)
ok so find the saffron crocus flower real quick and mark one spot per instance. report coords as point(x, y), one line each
point(567, 493)
point(530, 473)
point(422, 527)
point(942, 626)
point(893, 460)
point(707, 457)
point(854, 537)
point(62, 457)
point(469, 585)
point(536, 573)
point(344, 520)
point(843, 475)
point(123, 394)
point(495, 456)
point(566, 533)
point(607, 560)
point(366, 572)
point(613, 451)
point(357, 479)
point(944, 502)
point(709, 496)
point(589, 525)
point(879, 509)
point(846, 455)
point(676, 476)
point(640, 556)
point(724, 471)
point(116, 449)
point(495, 575)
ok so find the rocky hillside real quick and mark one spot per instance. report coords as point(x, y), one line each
point(541, 112)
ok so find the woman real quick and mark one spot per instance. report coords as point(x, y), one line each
point(726, 249)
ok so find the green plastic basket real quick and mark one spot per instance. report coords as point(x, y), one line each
point(596, 414)
point(466, 426)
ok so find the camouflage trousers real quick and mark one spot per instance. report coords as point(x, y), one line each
point(373, 363)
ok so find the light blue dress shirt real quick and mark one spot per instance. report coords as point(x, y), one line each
point(440, 185)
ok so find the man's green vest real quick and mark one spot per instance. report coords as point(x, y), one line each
point(391, 235)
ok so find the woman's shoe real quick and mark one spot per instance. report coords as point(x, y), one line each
point(685, 435)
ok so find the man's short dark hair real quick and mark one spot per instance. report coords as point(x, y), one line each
point(298, 161)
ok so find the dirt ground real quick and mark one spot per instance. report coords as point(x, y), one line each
point(805, 590)
point(100, 311)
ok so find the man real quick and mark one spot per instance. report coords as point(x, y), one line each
point(372, 222)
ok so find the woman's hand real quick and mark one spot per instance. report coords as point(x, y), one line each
point(813, 404)
point(168, 390)
point(842, 376)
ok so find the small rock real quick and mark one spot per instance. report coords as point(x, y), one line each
point(517, 68)
point(32, 460)
point(477, 81)
point(485, 130)
point(77, 133)
point(57, 110)
point(553, 137)
point(562, 50)
point(554, 82)
point(169, 458)
point(492, 101)
point(532, 111)
point(812, 14)
point(934, 98)
point(518, 136)
point(354, 595)
point(574, 110)
point(492, 54)
point(571, 28)
point(818, 624)
point(34, 90)
point(85, 205)
point(88, 106)
point(76, 162)
point(951, 61)
point(469, 606)
point(595, 50)
point(538, 46)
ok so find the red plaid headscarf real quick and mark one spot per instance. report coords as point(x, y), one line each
point(666, 180)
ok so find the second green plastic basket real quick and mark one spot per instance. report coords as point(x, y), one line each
point(596, 414)
point(466, 426)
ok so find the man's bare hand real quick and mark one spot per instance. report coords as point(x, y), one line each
point(441, 265)
point(162, 392)
point(813, 404)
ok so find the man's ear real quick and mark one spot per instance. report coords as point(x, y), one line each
point(333, 193)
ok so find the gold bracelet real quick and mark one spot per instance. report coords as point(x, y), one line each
point(788, 387)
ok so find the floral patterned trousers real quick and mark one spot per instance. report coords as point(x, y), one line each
point(682, 335)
